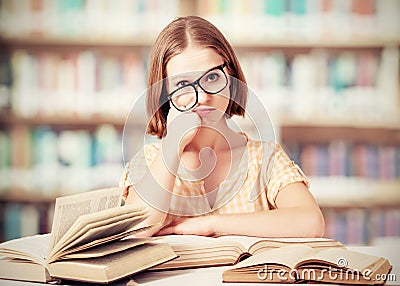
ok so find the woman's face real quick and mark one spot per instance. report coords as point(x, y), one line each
point(187, 67)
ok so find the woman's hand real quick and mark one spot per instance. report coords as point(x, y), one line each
point(194, 225)
point(182, 128)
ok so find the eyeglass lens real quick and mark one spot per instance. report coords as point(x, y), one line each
point(212, 82)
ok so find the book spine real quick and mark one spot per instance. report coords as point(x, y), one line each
point(361, 226)
point(5, 83)
point(78, 84)
point(41, 159)
point(12, 221)
point(356, 232)
point(5, 160)
point(92, 19)
point(315, 19)
point(340, 158)
point(331, 85)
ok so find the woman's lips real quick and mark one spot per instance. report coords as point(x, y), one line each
point(204, 111)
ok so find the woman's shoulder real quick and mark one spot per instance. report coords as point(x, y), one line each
point(150, 149)
point(154, 146)
point(256, 145)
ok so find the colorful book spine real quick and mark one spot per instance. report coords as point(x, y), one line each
point(309, 19)
point(339, 158)
point(43, 160)
point(361, 226)
point(12, 221)
point(332, 85)
point(79, 84)
point(95, 19)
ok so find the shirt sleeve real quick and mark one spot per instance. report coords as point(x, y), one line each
point(136, 168)
point(284, 172)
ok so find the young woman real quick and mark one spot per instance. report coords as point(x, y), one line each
point(202, 177)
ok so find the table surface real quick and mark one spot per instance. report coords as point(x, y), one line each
point(213, 275)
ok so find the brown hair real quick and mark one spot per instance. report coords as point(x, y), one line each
point(172, 40)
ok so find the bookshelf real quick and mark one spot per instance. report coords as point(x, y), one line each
point(330, 87)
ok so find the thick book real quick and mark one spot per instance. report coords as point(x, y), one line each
point(199, 251)
point(301, 263)
point(91, 240)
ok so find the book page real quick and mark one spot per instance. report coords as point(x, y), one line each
point(196, 242)
point(107, 248)
point(186, 239)
point(195, 251)
point(98, 225)
point(69, 208)
point(288, 256)
point(351, 259)
point(115, 237)
point(33, 248)
point(315, 243)
point(95, 220)
point(254, 243)
point(103, 231)
point(189, 239)
point(246, 241)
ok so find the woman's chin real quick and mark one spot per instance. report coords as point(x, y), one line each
point(210, 120)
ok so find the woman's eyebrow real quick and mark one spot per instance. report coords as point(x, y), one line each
point(178, 78)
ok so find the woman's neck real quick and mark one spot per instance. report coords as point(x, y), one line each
point(218, 137)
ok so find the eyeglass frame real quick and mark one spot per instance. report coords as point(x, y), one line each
point(197, 82)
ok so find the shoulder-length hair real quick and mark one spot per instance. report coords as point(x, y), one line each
point(172, 40)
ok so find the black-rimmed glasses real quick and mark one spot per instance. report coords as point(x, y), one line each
point(212, 81)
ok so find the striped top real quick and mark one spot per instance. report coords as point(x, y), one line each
point(263, 170)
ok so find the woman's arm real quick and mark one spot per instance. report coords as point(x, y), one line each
point(297, 215)
point(153, 191)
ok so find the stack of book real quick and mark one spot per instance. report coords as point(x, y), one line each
point(91, 241)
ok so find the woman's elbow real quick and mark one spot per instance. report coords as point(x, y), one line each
point(316, 223)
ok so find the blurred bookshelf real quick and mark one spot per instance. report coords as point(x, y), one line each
point(327, 72)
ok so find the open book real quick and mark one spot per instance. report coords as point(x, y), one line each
point(88, 242)
point(200, 251)
point(302, 263)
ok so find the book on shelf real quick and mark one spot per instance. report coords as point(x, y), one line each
point(77, 94)
point(199, 251)
point(343, 158)
point(91, 240)
point(301, 263)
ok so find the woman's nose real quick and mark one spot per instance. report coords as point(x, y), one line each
point(202, 95)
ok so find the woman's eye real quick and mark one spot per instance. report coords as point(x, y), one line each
point(182, 83)
point(212, 77)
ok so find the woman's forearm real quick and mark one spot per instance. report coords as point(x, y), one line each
point(156, 186)
point(154, 190)
point(287, 222)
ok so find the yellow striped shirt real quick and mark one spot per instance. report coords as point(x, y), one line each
point(264, 169)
